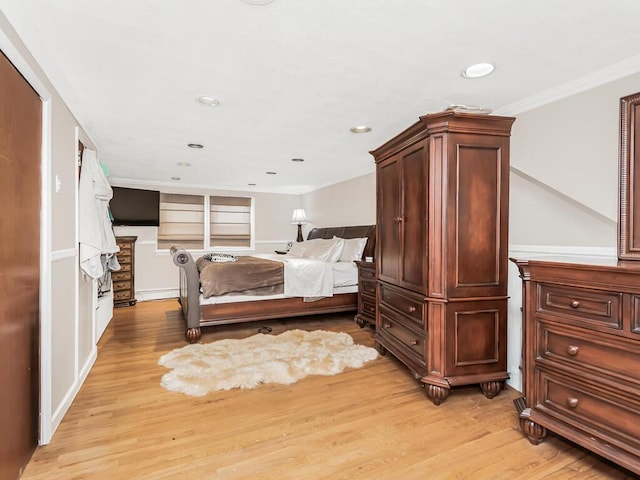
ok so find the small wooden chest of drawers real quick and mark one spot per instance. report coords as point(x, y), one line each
point(123, 280)
point(366, 315)
point(581, 358)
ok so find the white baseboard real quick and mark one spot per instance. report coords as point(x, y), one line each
point(66, 402)
point(157, 294)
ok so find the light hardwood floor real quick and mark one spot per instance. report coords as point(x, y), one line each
point(370, 423)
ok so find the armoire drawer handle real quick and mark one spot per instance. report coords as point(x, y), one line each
point(387, 325)
point(573, 350)
point(411, 309)
point(414, 342)
point(575, 304)
point(572, 402)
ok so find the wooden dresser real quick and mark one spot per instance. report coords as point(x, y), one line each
point(124, 293)
point(441, 250)
point(366, 315)
point(581, 355)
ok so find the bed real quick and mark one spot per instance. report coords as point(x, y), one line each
point(200, 312)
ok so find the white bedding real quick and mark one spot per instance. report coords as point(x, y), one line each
point(303, 278)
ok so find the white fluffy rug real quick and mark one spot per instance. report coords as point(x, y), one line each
point(286, 358)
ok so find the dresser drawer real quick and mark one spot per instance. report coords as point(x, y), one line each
point(412, 340)
point(574, 347)
point(368, 307)
point(121, 275)
point(412, 307)
point(610, 417)
point(124, 257)
point(122, 295)
point(591, 307)
point(121, 286)
point(367, 273)
point(368, 287)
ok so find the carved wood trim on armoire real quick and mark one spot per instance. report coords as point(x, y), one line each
point(442, 248)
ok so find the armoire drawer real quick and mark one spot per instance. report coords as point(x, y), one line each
point(414, 341)
point(574, 347)
point(410, 306)
point(591, 307)
point(565, 397)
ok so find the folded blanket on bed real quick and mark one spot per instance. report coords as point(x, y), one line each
point(220, 257)
point(247, 273)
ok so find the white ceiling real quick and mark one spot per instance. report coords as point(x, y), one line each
point(293, 76)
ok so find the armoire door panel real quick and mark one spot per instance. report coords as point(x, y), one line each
point(478, 200)
point(413, 219)
point(388, 244)
point(477, 216)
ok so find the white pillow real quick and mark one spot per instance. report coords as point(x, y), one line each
point(297, 250)
point(353, 249)
point(326, 250)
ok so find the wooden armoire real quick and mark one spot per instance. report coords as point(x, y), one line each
point(442, 248)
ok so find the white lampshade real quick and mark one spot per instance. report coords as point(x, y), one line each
point(299, 216)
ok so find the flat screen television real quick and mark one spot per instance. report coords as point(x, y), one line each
point(135, 207)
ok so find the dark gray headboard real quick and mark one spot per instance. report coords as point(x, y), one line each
point(361, 231)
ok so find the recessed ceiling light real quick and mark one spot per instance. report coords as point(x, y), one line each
point(297, 159)
point(270, 173)
point(360, 129)
point(175, 178)
point(258, 2)
point(208, 100)
point(251, 184)
point(195, 145)
point(478, 70)
point(184, 164)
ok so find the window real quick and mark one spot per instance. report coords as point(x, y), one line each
point(200, 222)
point(230, 223)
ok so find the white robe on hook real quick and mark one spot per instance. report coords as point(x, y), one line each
point(95, 229)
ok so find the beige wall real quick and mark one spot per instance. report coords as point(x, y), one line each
point(352, 202)
point(570, 145)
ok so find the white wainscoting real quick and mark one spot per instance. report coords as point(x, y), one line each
point(514, 332)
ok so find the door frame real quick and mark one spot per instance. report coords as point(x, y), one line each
point(19, 60)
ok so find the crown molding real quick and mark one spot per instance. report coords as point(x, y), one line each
point(573, 87)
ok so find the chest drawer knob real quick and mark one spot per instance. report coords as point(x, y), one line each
point(575, 304)
point(411, 309)
point(572, 402)
point(572, 350)
point(387, 325)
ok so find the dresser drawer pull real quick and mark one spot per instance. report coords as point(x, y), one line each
point(573, 350)
point(572, 402)
point(387, 325)
point(414, 342)
point(411, 309)
point(575, 304)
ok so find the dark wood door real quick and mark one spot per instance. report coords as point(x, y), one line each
point(20, 147)
point(413, 220)
point(389, 210)
point(402, 218)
